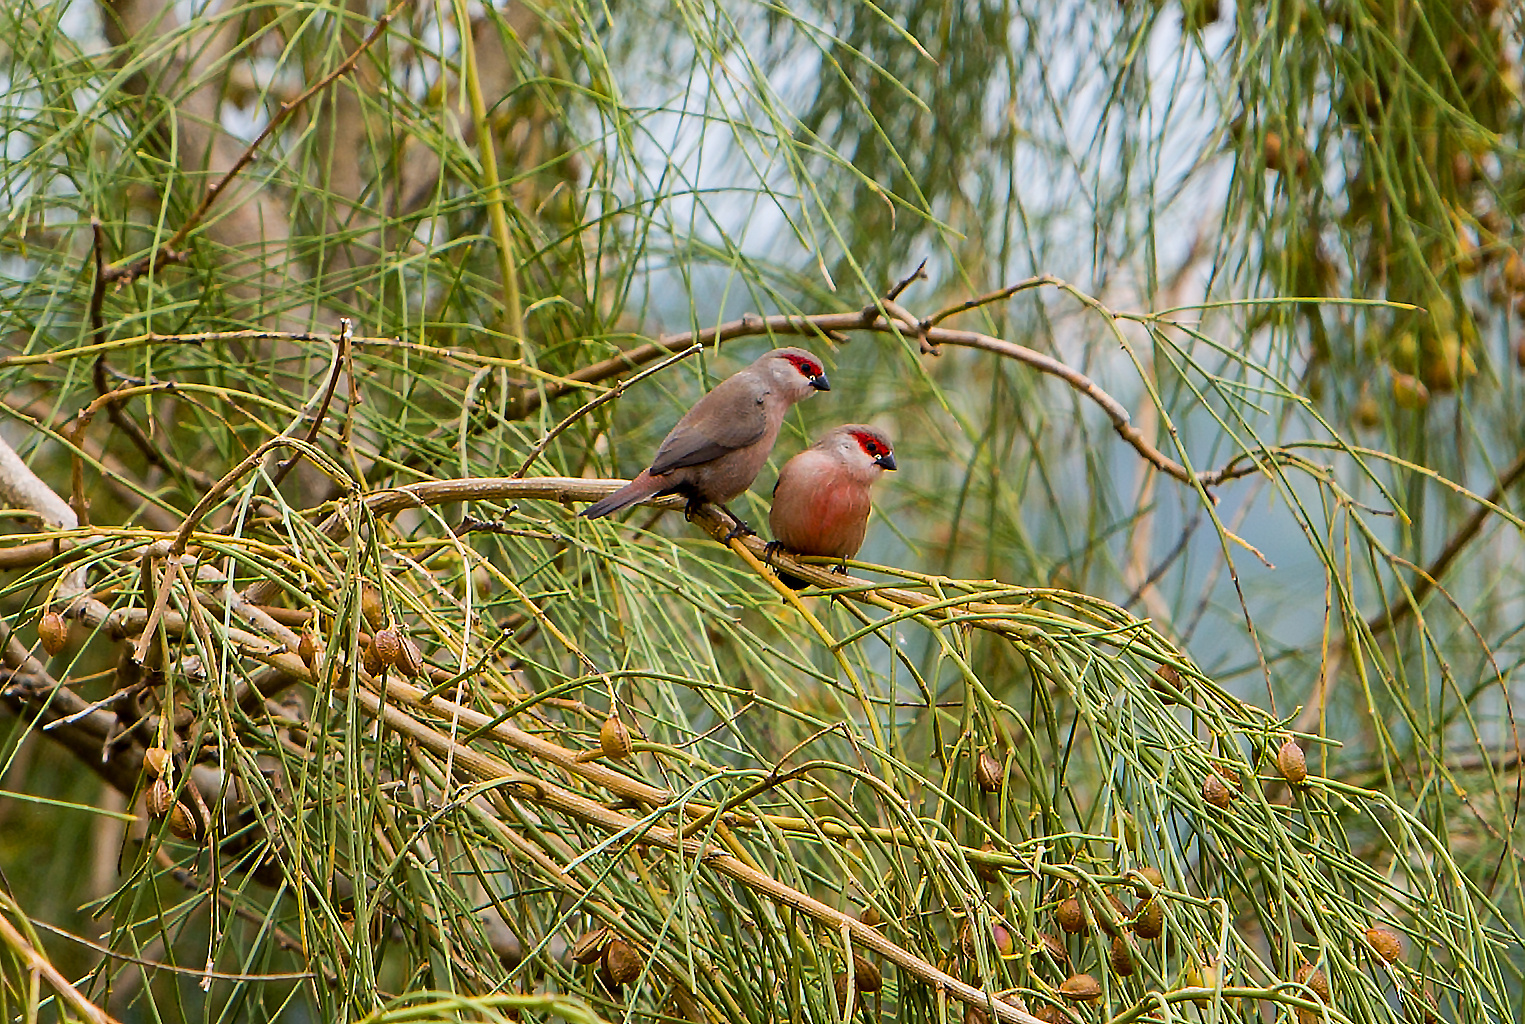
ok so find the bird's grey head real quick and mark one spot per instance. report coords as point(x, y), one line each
point(796, 373)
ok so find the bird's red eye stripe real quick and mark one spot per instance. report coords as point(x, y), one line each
point(869, 444)
point(805, 366)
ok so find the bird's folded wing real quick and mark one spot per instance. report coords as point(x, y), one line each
point(730, 417)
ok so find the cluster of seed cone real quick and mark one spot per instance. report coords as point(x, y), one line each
point(618, 962)
point(187, 817)
point(1128, 929)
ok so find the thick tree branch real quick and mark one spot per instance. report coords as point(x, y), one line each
point(21, 488)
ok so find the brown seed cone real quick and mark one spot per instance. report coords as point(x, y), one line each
point(307, 648)
point(987, 772)
point(1215, 791)
point(388, 646)
point(1149, 922)
point(371, 608)
point(1271, 152)
point(966, 940)
point(1308, 975)
point(1081, 988)
point(1167, 683)
point(1153, 877)
point(866, 974)
point(370, 660)
point(1292, 763)
point(156, 761)
point(987, 872)
point(614, 739)
point(1071, 916)
point(53, 631)
point(1367, 413)
point(1114, 923)
point(589, 947)
point(158, 799)
point(1005, 943)
point(1054, 947)
point(1048, 1013)
point(1121, 958)
point(622, 961)
point(185, 822)
point(870, 916)
point(839, 985)
point(410, 660)
point(1386, 942)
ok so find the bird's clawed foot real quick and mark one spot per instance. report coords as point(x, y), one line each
point(740, 529)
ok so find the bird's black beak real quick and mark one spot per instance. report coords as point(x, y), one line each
point(820, 383)
point(887, 461)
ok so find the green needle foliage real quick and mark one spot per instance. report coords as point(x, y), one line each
point(1176, 682)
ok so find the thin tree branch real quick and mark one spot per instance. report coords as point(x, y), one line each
point(336, 369)
point(1405, 603)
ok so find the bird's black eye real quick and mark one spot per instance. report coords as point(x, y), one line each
point(805, 366)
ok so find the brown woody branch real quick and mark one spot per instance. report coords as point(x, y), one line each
point(873, 318)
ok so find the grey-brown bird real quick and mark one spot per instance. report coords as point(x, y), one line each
point(821, 500)
point(720, 445)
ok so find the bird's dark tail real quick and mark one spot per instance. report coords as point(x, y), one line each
point(638, 490)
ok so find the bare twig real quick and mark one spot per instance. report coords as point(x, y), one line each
point(919, 274)
point(871, 318)
point(999, 295)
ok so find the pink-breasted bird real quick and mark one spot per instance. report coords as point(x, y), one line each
point(720, 445)
point(820, 503)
